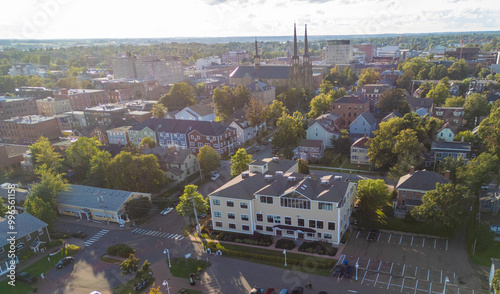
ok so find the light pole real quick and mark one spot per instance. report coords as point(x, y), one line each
point(168, 256)
point(446, 280)
point(165, 283)
point(284, 252)
point(357, 265)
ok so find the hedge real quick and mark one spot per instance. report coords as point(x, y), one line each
point(285, 244)
point(318, 248)
point(255, 239)
point(121, 250)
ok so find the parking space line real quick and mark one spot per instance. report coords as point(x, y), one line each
point(376, 279)
point(403, 274)
point(403, 285)
point(411, 241)
point(367, 236)
point(357, 234)
point(441, 280)
point(389, 283)
point(446, 245)
point(380, 264)
point(430, 288)
point(400, 239)
point(428, 274)
point(363, 277)
point(357, 260)
point(390, 272)
point(416, 287)
point(416, 268)
point(379, 236)
point(423, 242)
point(389, 238)
point(435, 240)
point(368, 264)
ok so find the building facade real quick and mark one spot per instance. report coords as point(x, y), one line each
point(104, 115)
point(359, 152)
point(364, 124)
point(17, 106)
point(324, 128)
point(27, 130)
point(349, 107)
point(51, 106)
point(339, 52)
point(119, 136)
point(81, 99)
point(196, 112)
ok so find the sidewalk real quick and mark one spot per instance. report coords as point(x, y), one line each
point(162, 274)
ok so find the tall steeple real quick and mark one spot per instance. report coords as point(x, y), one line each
point(306, 50)
point(295, 55)
point(256, 57)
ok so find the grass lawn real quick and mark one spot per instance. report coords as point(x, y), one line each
point(484, 257)
point(128, 287)
point(109, 259)
point(349, 165)
point(41, 266)
point(188, 291)
point(396, 224)
point(182, 267)
point(277, 259)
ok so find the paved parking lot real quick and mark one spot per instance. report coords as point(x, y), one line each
point(406, 240)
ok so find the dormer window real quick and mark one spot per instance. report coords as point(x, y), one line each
point(439, 113)
point(457, 113)
point(375, 91)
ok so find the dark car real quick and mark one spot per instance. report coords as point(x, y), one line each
point(80, 234)
point(338, 271)
point(323, 292)
point(270, 291)
point(348, 271)
point(64, 262)
point(373, 236)
point(297, 290)
point(26, 278)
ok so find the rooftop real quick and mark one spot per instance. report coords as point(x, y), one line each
point(457, 146)
point(351, 99)
point(422, 180)
point(31, 119)
point(25, 224)
point(264, 71)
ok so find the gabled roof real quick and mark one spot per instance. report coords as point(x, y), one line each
point(360, 143)
point(25, 224)
point(263, 71)
point(452, 146)
point(311, 143)
point(370, 88)
point(87, 197)
point(421, 111)
point(199, 109)
point(368, 117)
point(209, 128)
point(423, 180)
point(168, 155)
point(419, 102)
point(351, 99)
point(393, 114)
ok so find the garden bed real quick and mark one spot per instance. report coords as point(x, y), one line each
point(317, 247)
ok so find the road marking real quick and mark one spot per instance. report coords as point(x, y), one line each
point(400, 239)
point(435, 241)
point(390, 272)
point(164, 235)
point(446, 245)
point(357, 260)
point(379, 266)
point(368, 264)
point(181, 238)
point(416, 287)
point(133, 231)
point(423, 242)
point(105, 230)
point(352, 291)
point(376, 279)
point(363, 277)
point(389, 284)
point(411, 241)
point(402, 285)
point(441, 280)
point(416, 268)
point(379, 236)
point(428, 274)
point(389, 238)
point(367, 236)
point(357, 234)
point(430, 288)
point(403, 270)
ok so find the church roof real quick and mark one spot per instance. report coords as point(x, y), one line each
point(263, 71)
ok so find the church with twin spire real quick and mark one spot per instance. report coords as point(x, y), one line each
point(296, 75)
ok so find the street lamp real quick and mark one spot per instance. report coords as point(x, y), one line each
point(446, 280)
point(165, 283)
point(357, 266)
point(284, 252)
point(168, 256)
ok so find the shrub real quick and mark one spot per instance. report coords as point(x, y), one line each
point(285, 244)
point(256, 238)
point(121, 250)
point(318, 247)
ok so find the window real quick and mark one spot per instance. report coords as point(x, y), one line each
point(295, 203)
point(245, 228)
point(217, 214)
point(312, 223)
point(300, 222)
point(244, 205)
point(216, 201)
point(266, 199)
point(269, 229)
point(230, 203)
point(270, 218)
point(259, 217)
point(289, 232)
point(414, 195)
point(327, 236)
point(259, 228)
point(319, 235)
point(325, 206)
point(331, 226)
point(232, 226)
point(40, 231)
point(319, 224)
point(230, 215)
point(310, 235)
point(404, 193)
point(244, 217)
point(218, 224)
point(288, 220)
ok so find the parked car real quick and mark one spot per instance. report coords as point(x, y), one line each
point(270, 139)
point(284, 291)
point(64, 262)
point(338, 271)
point(26, 278)
point(215, 176)
point(166, 210)
point(323, 292)
point(297, 290)
point(270, 291)
point(80, 234)
point(373, 235)
point(348, 271)
point(257, 291)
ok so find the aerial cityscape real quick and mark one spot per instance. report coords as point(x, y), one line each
point(249, 146)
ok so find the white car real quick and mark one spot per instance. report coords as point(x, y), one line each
point(215, 176)
point(167, 210)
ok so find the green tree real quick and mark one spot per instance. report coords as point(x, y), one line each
point(372, 196)
point(445, 207)
point(454, 101)
point(144, 268)
point(319, 105)
point(489, 132)
point(368, 76)
point(179, 96)
point(453, 165)
point(409, 151)
point(224, 102)
point(242, 96)
point(293, 99)
point(159, 110)
point(129, 265)
point(41, 209)
point(393, 99)
point(290, 130)
point(475, 106)
point(149, 142)
point(326, 86)
point(440, 93)
point(154, 290)
point(276, 110)
point(43, 153)
point(342, 143)
point(468, 136)
point(138, 207)
point(81, 153)
point(458, 70)
point(209, 159)
point(479, 171)
point(240, 162)
point(256, 112)
point(185, 206)
point(3, 208)
point(303, 166)
point(484, 236)
point(49, 186)
point(97, 175)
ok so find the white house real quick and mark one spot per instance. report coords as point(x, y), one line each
point(446, 133)
point(244, 131)
point(323, 128)
point(196, 112)
point(364, 124)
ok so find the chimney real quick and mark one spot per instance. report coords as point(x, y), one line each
point(447, 174)
point(412, 170)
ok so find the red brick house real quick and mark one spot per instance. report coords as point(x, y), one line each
point(349, 107)
point(216, 135)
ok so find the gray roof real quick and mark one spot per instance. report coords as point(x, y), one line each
point(200, 109)
point(256, 184)
point(264, 71)
point(351, 99)
point(370, 119)
point(87, 197)
point(455, 146)
point(20, 194)
point(311, 143)
point(392, 115)
point(423, 180)
point(208, 128)
point(25, 224)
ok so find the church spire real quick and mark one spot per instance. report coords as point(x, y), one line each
point(295, 55)
point(256, 57)
point(306, 50)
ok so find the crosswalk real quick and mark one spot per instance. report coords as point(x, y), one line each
point(157, 234)
point(96, 237)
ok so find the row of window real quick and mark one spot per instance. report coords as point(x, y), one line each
point(300, 221)
point(285, 202)
point(232, 226)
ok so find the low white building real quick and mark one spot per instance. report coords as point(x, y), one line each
point(244, 131)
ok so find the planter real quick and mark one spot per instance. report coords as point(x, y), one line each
point(52, 253)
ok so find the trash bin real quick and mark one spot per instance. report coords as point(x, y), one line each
point(192, 282)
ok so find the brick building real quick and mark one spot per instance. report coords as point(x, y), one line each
point(83, 98)
point(349, 107)
point(51, 106)
point(104, 115)
point(26, 130)
point(17, 106)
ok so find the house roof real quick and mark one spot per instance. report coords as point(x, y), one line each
point(14, 150)
point(448, 112)
point(360, 143)
point(455, 146)
point(25, 224)
point(447, 125)
point(368, 117)
point(257, 184)
point(392, 115)
point(209, 128)
point(283, 165)
point(263, 71)
point(351, 99)
point(311, 143)
point(21, 194)
point(423, 180)
point(370, 88)
point(416, 103)
point(90, 197)
point(199, 109)
point(421, 111)
point(259, 86)
point(327, 121)
point(167, 155)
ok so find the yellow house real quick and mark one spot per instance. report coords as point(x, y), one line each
point(288, 205)
point(91, 203)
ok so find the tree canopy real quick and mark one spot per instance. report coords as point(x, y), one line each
point(42, 153)
point(256, 112)
point(138, 207)
point(80, 154)
point(227, 100)
point(159, 110)
point(319, 105)
point(368, 76)
point(148, 141)
point(209, 159)
point(489, 132)
point(190, 195)
point(240, 162)
point(372, 196)
point(393, 99)
point(475, 106)
point(179, 96)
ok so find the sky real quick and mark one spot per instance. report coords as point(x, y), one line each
point(57, 19)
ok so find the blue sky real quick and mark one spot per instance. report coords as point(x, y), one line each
point(45, 19)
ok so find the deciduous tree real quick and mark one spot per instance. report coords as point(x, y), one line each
point(43, 153)
point(489, 132)
point(368, 76)
point(186, 200)
point(138, 207)
point(179, 96)
point(256, 112)
point(240, 162)
point(454, 101)
point(209, 159)
point(159, 110)
point(479, 171)
point(475, 106)
point(290, 130)
point(372, 196)
point(98, 172)
point(149, 142)
point(81, 153)
point(393, 99)
point(129, 265)
point(319, 105)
